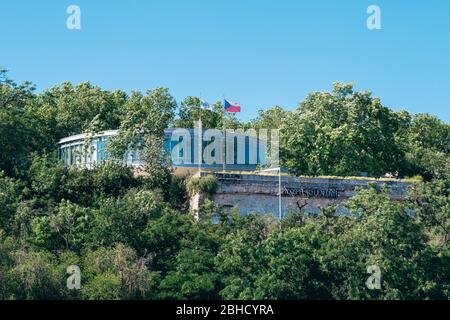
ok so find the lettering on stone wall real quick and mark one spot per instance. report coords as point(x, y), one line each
point(311, 192)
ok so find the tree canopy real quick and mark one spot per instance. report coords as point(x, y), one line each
point(133, 236)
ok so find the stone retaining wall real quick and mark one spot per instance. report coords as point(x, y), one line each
point(252, 192)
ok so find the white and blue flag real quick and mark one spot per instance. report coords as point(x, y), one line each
point(205, 105)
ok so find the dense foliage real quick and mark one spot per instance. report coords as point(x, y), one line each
point(134, 238)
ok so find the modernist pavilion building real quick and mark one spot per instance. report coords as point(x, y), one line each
point(248, 153)
point(251, 192)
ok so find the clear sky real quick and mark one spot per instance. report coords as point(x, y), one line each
point(259, 53)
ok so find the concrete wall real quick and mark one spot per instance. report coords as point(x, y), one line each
point(259, 193)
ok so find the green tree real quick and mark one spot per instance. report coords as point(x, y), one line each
point(46, 176)
point(67, 227)
point(10, 195)
point(117, 273)
point(73, 108)
point(86, 186)
point(382, 232)
point(237, 260)
point(37, 275)
point(124, 219)
point(193, 277)
point(272, 118)
point(427, 145)
point(18, 136)
point(142, 129)
point(431, 203)
point(341, 133)
point(164, 237)
point(290, 268)
point(190, 112)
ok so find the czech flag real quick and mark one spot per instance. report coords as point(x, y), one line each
point(231, 107)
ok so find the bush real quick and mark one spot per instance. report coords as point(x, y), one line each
point(206, 184)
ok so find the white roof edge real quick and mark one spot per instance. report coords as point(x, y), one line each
point(81, 136)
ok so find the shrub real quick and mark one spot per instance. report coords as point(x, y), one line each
point(206, 184)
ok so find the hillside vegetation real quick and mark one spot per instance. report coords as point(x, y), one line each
point(134, 238)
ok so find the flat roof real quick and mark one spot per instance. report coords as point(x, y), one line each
point(82, 136)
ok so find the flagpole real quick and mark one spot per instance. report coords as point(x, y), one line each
point(224, 143)
point(200, 144)
point(200, 137)
point(233, 108)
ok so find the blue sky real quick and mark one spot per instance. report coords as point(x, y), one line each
point(260, 53)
